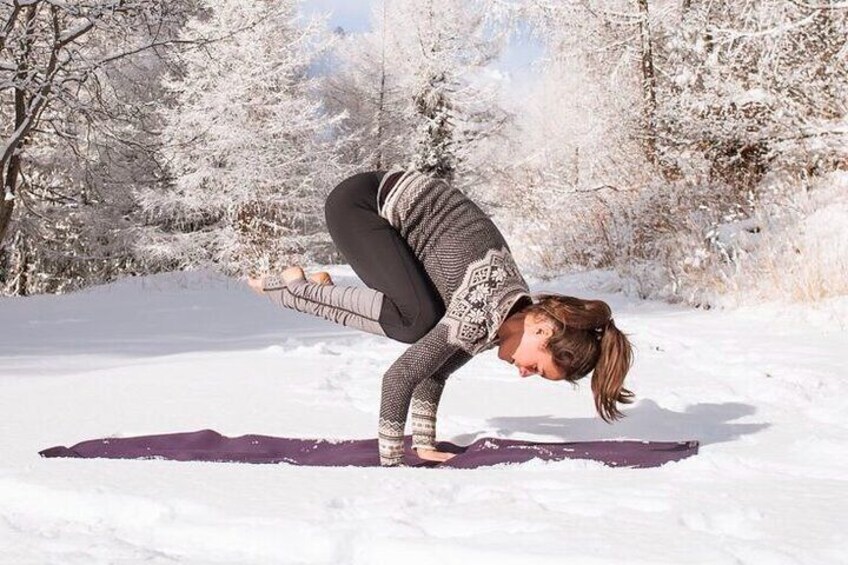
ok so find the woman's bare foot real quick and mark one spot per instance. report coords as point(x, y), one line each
point(292, 273)
point(255, 284)
point(289, 274)
point(321, 277)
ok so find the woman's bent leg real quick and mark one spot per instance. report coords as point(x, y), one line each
point(377, 253)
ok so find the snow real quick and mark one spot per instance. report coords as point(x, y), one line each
point(801, 252)
point(762, 387)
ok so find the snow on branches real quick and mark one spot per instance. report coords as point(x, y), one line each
point(247, 145)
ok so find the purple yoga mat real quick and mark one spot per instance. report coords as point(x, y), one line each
point(208, 445)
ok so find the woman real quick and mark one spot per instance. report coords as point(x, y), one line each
point(441, 277)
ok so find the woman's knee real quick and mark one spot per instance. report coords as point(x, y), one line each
point(417, 326)
point(354, 191)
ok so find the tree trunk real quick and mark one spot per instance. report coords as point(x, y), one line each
point(649, 84)
point(829, 45)
point(6, 209)
point(19, 266)
point(381, 103)
point(9, 179)
point(11, 160)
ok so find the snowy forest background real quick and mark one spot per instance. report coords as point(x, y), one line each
point(697, 149)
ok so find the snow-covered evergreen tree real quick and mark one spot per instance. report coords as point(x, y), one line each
point(246, 142)
point(365, 84)
point(410, 86)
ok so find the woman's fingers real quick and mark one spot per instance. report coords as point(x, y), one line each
point(433, 455)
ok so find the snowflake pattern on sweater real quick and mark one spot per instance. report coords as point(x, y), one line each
point(472, 313)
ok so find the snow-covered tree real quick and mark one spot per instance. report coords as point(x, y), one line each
point(246, 142)
point(365, 84)
point(410, 84)
point(751, 84)
point(75, 127)
point(720, 110)
point(722, 83)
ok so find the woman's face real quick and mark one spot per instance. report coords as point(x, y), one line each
point(526, 350)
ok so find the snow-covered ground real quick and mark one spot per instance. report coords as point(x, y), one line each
point(763, 388)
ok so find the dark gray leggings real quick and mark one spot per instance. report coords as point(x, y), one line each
point(382, 259)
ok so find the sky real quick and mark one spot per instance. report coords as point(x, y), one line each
point(353, 17)
point(350, 15)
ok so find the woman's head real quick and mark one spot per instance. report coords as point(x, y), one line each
point(565, 338)
point(525, 345)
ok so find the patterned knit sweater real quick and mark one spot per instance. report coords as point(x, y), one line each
point(473, 271)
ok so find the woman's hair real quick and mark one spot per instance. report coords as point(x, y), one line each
point(586, 339)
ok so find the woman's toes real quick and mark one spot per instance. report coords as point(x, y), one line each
point(292, 273)
point(321, 277)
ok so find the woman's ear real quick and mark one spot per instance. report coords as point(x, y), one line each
point(544, 328)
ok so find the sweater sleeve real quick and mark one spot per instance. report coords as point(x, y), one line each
point(356, 307)
point(431, 357)
point(425, 403)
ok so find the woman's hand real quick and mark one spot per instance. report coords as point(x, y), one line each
point(433, 455)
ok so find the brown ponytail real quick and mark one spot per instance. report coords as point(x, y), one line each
point(586, 339)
